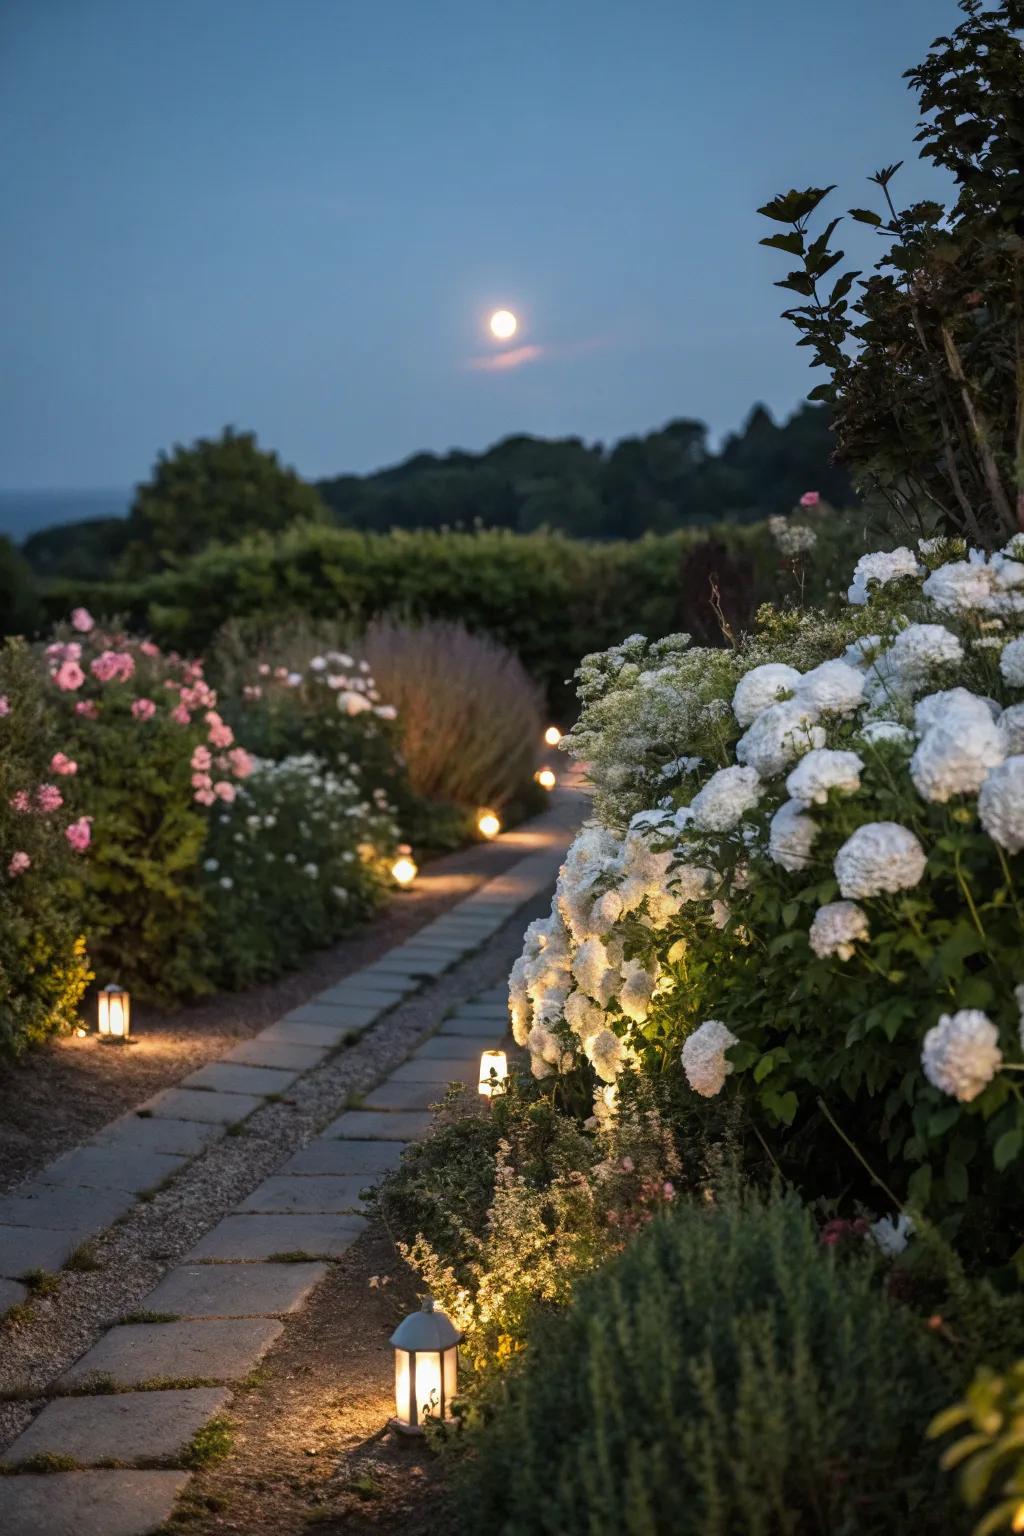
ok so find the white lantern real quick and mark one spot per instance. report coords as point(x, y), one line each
point(426, 1346)
point(488, 824)
point(493, 1073)
point(546, 778)
point(404, 870)
point(552, 735)
point(114, 1013)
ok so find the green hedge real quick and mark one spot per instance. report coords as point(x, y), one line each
point(549, 598)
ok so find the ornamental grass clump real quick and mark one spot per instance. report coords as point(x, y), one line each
point(727, 1372)
point(807, 861)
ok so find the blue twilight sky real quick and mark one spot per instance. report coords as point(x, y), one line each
point(296, 215)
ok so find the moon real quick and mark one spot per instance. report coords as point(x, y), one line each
point(503, 325)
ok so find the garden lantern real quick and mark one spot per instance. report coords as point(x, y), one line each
point(488, 824)
point(405, 869)
point(546, 778)
point(493, 1073)
point(552, 735)
point(426, 1346)
point(114, 1013)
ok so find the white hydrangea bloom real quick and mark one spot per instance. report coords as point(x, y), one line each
point(954, 758)
point(606, 1104)
point(519, 1001)
point(822, 769)
point(1011, 663)
point(606, 1054)
point(583, 1016)
point(1001, 804)
point(1011, 730)
point(607, 909)
point(920, 648)
point(960, 586)
point(940, 708)
point(759, 688)
point(883, 567)
point(874, 731)
point(594, 972)
point(593, 855)
point(778, 736)
point(791, 836)
point(961, 1054)
point(880, 856)
point(837, 929)
point(725, 799)
point(704, 1060)
point(833, 688)
point(862, 650)
point(637, 988)
point(891, 1235)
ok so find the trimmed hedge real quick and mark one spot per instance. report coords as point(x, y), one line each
point(549, 598)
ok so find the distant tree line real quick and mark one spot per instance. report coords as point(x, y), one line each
point(221, 489)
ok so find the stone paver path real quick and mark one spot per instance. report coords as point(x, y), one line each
point(146, 1388)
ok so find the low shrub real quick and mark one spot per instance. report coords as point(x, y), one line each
point(727, 1372)
point(43, 968)
point(301, 855)
point(469, 720)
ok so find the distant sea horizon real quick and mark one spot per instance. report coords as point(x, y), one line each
point(25, 512)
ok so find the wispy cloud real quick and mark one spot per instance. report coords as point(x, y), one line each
point(498, 362)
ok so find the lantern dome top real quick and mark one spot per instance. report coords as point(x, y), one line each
point(428, 1329)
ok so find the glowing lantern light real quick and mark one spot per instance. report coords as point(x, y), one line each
point(426, 1346)
point(488, 824)
point(546, 778)
point(114, 1013)
point(552, 735)
point(493, 1073)
point(405, 869)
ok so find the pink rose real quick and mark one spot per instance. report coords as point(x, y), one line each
point(113, 666)
point(5, 707)
point(252, 691)
point(87, 707)
point(221, 735)
point(60, 763)
point(79, 833)
point(810, 498)
point(143, 709)
point(49, 798)
point(148, 648)
point(263, 669)
point(225, 791)
point(82, 620)
point(21, 802)
point(201, 759)
point(241, 762)
point(201, 781)
point(180, 715)
point(205, 796)
point(69, 676)
point(20, 861)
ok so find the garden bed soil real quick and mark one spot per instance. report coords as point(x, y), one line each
point(311, 1449)
point(69, 1088)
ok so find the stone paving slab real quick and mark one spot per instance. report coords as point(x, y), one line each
point(477, 1010)
point(108, 1168)
point(327, 1192)
point(377, 997)
point(235, 1290)
point(386, 981)
point(62, 1208)
point(404, 1096)
point(88, 1503)
point(200, 1104)
point(128, 1426)
point(325, 1037)
point(250, 1236)
point(335, 1015)
point(426, 1070)
point(371, 1124)
point(12, 1294)
point(462, 1048)
point(224, 1349)
point(260, 1052)
point(23, 1249)
point(362, 1158)
point(415, 965)
point(231, 1077)
point(144, 1133)
point(476, 1029)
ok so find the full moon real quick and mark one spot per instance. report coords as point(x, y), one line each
point(503, 324)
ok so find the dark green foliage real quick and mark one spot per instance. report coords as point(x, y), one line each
point(925, 362)
point(219, 489)
point(727, 1373)
point(19, 604)
point(84, 551)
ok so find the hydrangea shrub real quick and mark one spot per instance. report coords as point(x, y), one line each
point(804, 882)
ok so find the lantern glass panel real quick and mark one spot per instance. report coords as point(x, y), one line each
point(496, 1062)
point(114, 1013)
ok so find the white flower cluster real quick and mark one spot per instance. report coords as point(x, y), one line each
point(704, 1059)
point(837, 929)
point(791, 538)
point(961, 1054)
